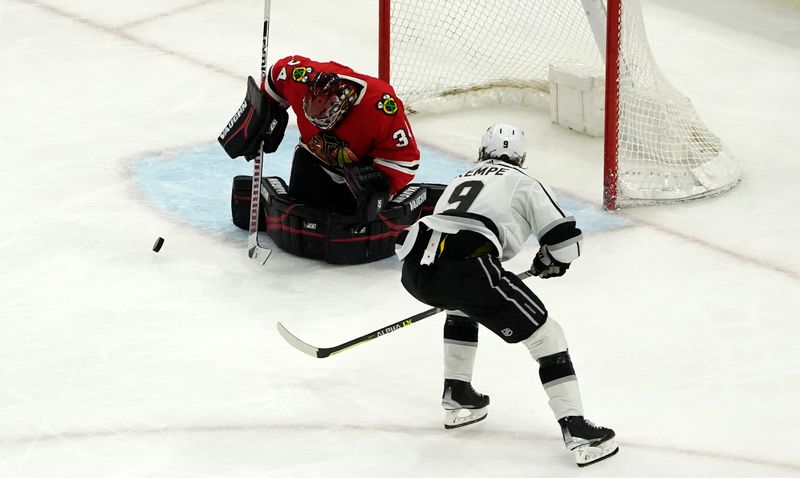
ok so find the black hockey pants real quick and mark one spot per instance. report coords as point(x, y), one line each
point(478, 287)
point(309, 184)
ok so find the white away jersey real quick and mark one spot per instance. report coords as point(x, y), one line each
point(517, 204)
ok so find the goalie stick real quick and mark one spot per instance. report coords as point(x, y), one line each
point(254, 249)
point(323, 352)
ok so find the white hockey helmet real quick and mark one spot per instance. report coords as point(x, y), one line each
point(504, 142)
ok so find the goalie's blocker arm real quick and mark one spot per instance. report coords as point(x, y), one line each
point(257, 119)
point(370, 188)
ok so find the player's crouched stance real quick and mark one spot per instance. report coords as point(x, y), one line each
point(452, 259)
point(348, 194)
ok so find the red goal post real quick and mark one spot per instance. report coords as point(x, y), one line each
point(657, 148)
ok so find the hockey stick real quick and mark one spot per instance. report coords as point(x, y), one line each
point(322, 352)
point(254, 249)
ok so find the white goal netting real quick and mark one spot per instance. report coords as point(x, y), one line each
point(503, 49)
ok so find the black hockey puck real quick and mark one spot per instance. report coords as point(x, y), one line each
point(158, 244)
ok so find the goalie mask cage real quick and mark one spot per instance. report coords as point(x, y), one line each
point(657, 149)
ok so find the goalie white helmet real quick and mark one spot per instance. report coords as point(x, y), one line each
point(504, 142)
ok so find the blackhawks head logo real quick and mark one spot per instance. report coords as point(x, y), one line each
point(301, 73)
point(387, 104)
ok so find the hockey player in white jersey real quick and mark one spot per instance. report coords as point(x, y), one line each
point(452, 259)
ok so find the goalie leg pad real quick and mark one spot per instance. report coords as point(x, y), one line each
point(240, 202)
point(328, 235)
point(332, 236)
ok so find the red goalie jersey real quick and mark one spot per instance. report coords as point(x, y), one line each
point(375, 129)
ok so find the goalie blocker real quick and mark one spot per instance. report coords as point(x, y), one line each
point(331, 236)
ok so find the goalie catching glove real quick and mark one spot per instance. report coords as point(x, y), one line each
point(257, 120)
point(545, 266)
point(370, 187)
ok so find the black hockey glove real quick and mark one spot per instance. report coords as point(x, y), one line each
point(258, 119)
point(545, 266)
point(370, 187)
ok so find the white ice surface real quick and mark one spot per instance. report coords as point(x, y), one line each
point(115, 361)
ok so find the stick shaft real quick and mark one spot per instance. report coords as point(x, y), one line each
point(255, 251)
point(322, 352)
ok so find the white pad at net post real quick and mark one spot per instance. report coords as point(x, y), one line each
point(577, 97)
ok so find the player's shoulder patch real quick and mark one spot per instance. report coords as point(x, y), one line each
point(298, 68)
point(387, 104)
point(301, 74)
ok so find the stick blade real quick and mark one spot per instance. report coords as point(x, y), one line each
point(259, 254)
point(297, 343)
point(256, 252)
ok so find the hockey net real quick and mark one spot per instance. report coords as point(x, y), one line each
point(658, 149)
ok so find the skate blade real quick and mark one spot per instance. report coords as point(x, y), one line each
point(462, 417)
point(586, 455)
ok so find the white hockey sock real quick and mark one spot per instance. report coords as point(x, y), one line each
point(460, 346)
point(565, 397)
point(459, 359)
point(548, 346)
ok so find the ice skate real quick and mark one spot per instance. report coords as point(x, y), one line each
point(463, 405)
point(590, 443)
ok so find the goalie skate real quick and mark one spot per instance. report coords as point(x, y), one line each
point(463, 405)
point(589, 443)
